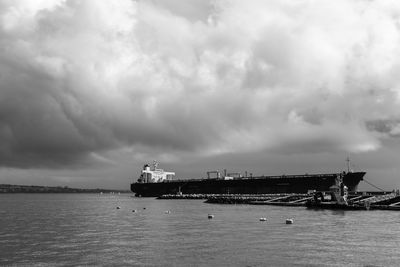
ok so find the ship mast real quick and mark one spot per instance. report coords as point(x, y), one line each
point(348, 164)
point(155, 164)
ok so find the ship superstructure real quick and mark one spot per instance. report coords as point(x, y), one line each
point(155, 175)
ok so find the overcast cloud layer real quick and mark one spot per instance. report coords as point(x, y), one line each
point(80, 80)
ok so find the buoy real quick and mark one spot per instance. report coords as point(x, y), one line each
point(118, 207)
point(133, 210)
point(289, 221)
point(210, 216)
point(263, 219)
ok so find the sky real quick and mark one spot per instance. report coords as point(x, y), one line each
point(91, 90)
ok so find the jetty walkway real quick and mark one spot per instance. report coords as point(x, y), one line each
point(356, 200)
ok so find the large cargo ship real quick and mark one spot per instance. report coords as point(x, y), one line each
point(154, 182)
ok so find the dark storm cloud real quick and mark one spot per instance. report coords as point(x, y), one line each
point(79, 79)
point(387, 127)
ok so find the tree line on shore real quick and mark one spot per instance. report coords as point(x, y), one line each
point(8, 188)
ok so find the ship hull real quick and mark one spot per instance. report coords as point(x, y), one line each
point(256, 185)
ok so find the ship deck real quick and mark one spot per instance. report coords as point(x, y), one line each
point(294, 176)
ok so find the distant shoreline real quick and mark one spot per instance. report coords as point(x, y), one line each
point(8, 188)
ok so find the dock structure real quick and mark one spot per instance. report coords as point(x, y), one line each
point(260, 199)
point(356, 200)
point(396, 204)
point(184, 196)
point(287, 200)
point(378, 199)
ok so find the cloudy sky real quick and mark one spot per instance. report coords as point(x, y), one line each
point(91, 90)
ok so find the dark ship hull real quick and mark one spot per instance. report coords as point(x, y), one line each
point(254, 185)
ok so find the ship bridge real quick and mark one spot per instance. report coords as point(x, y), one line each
point(155, 175)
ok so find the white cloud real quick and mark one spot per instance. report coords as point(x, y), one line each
point(79, 78)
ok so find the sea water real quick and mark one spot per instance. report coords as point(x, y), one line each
point(89, 230)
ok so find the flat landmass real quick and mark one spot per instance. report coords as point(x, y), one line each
point(8, 188)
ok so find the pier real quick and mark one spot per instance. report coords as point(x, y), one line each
point(355, 201)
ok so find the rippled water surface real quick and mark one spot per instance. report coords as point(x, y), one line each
point(87, 229)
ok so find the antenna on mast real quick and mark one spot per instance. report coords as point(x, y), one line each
point(348, 163)
point(155, 164)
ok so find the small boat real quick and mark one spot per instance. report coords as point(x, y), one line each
point(335, 198)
